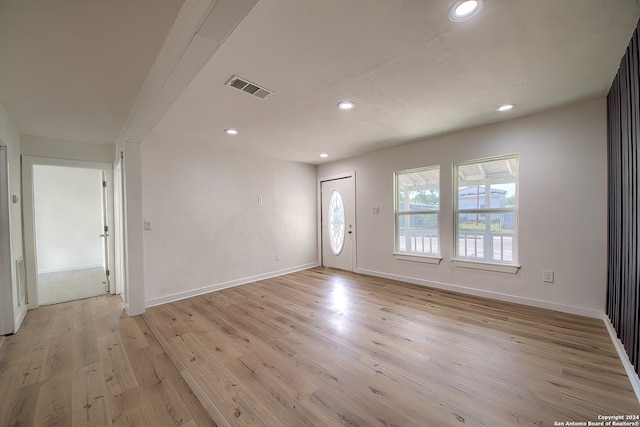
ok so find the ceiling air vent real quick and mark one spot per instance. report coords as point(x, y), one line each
point(247, 86)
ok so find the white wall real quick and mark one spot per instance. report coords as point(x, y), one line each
point(68, 218)
point(134, 263)
point(70, 150)
point(10, 136)
point(563, 211)
point(208, 229)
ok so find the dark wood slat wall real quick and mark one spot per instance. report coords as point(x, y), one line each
point(623, 292)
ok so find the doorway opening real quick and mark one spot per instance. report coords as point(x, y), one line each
point(68, 216)
point(68, 210)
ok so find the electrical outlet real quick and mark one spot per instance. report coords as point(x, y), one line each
point(259, 200)
point(147, 225)
point(277, 256)
point(376, 210)
point(547, 276)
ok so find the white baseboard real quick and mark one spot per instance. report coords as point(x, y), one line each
point(624, 358)
point(487, 294)
point(69, 268)
point(219, 286)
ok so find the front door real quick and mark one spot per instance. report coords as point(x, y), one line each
point(338, 222)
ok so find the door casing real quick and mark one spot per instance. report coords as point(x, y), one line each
point(6, 263)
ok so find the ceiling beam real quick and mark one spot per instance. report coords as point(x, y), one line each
point(199, 30)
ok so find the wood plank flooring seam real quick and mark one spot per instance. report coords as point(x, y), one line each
point(52, 372)
point(200, 394)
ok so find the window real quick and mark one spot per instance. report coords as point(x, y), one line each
point(486, 210)
point(417, 206)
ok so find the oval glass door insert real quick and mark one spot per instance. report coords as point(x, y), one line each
point(336, 222)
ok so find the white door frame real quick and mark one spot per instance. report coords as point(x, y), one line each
point(106, 231)
point(118, 228)
point(6, 264)
point(30, 257)
point(319, 205)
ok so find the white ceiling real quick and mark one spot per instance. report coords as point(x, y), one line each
point(72, 69)
point(74, 72)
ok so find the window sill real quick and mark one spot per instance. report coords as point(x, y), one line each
point(486, 266)
point(428, 259)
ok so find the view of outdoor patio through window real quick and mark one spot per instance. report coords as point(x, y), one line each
point(485, 212)
point(417, 210)
point(486, 209)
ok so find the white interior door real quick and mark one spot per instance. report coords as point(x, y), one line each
point(105, 231)
point(338, 222)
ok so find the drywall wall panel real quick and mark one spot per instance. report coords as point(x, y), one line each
point(219, 217)
point(70, 150)
point(134, 239)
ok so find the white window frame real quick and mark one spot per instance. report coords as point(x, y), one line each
point(432, 258)
point(482, 263)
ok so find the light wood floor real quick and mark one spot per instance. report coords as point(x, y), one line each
point(323, 347)
point(86, 363)
point(71, 285)
point(319, 347)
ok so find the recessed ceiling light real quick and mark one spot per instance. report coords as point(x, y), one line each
point(346, 105)
point(324, 155)
point(506, 107)
point(464, 9)
point(231, 131)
